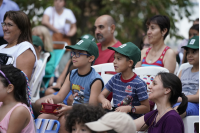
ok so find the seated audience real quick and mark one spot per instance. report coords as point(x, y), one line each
point(38, 45)
point(194, 31)
point(81, 114)
point(158, 54)
point(144, 43)
point(17, 32)
point(190, 78)
point(164, 91)
point(113, 122)
point(85, 83)
point(43, 33)
point(15, 115)
point(129, 91)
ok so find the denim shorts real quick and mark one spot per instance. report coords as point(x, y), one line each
point(65, 100)
point(192, 108)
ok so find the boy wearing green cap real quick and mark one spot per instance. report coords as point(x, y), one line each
point(85, 83)
point(129, 91)
point(190, 78)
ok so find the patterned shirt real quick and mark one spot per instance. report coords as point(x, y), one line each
point(134, 87)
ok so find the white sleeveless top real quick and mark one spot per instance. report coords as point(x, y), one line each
point(17, 50)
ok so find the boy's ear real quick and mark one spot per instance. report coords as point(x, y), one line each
point(91, 58)
point(10, 88)
point(131, 62)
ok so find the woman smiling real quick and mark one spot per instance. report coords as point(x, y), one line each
point(159, 54)
point(17, 32)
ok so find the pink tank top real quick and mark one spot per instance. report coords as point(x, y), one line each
point(30, 128)
point(158, 63)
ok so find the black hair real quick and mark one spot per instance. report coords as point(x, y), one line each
point(171, 81)
point(83, 113)
point(162, 21)
point(195, 27)
point(17, 78)
point(127, 58)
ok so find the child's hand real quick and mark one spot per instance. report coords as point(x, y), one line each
point(63, 110)
point(49, 100)
point(106, 104)
point(125, 109)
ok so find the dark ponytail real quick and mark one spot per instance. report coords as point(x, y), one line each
point(183, 106)
point(171, 81)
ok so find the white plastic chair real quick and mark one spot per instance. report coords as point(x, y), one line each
point(183, 66)
point(189, 123)
point(36, 79)
point(147, 74)
point(176, 69)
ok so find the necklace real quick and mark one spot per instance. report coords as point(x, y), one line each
point(150, 61)
point(154, 121)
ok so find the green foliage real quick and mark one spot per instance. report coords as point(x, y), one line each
point(130, 15)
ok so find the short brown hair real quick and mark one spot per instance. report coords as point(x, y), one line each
point(23, 23)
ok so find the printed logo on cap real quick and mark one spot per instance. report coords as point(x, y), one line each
point(192, 41)
point(86, 37)
point(79, 43)
point(122, 46)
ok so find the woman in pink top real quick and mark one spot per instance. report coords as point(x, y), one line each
point(15, 116)
point(158, 54)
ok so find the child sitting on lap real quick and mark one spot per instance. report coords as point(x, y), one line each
point(190, 78)
point(15, 116)
point(126, 84)
point(85, 82)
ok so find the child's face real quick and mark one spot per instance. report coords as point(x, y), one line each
point(80, 128)
point(193, 56)
point(192, 33)
point(79, 61)
point(3, 91)
point(120, 62)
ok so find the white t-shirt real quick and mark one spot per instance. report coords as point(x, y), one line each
point(61, 22)
point(17, 50)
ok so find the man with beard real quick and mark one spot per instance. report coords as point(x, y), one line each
point(104, 28)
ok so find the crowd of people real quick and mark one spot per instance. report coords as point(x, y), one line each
point(84, 99)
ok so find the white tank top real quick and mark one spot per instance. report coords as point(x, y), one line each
point(17, 50)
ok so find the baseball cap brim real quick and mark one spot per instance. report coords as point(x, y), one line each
point(190, 46)
point(117, 50)
point(75, 47)
point(97, 126)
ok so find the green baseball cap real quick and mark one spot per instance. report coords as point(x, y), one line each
point(130, 50)
point(86, 45)
point(37, 41)
point(193, 43)
point(88, 36)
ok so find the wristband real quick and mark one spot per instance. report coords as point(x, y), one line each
point(133, 109)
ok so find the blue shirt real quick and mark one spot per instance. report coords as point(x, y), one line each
point(6, 5)
point(81, 84)
point(134, 87)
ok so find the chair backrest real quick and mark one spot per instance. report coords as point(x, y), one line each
point(47, 126)
point(58, 55)
point(147, 74)
point(176, 69)
point(183, 66)
point(37, 78)
point(107, 67)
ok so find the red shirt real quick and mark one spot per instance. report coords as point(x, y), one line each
point(106, 56)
